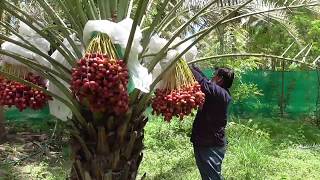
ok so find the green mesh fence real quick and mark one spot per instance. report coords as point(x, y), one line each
point(13, 114)
point(300, 96)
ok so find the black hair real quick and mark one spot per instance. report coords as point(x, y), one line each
point(227, 75)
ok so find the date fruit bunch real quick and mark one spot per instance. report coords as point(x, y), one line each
point(21, 96)
point(178, 94)
point(100, 78)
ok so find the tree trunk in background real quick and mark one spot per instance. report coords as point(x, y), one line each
point(221, 33)
point(108, 148)
point(273, 64)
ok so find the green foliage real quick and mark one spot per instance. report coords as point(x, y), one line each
point(168, 154)
point(267, 38)
point(275, 39)
point(248, 150)
point(243, 91)
point(314, 37)
point(262, 38)
point(266, 149)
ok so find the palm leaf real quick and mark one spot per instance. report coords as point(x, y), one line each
point(260, 55)
point(238, 17)
point(156, 19)
point(137, 19)
point(272, 13)
point(162, 52)
point(70, 16)
point(27, 45)
point(49, 10)
point(48, 35)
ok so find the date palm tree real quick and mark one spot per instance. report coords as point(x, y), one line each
point(109, 147)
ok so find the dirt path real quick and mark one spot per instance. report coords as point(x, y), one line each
point(30, 155)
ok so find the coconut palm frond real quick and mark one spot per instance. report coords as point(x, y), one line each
point(36, 11)
point(191, 4)
point(262, 10)
point(292, 30)
point(274, 12)
point(281, 17)
point(314, 9)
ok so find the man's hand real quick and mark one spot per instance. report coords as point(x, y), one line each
point(193, 65)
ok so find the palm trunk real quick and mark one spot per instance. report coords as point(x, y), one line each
point(108, 148)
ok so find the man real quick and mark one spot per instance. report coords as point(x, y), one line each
point(208, 131)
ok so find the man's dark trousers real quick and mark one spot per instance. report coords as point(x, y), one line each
point(209, 160)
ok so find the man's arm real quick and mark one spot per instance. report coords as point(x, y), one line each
point(202, 80)
point(195, 68)
point(207, 87)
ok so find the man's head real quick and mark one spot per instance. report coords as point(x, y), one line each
point(223, 77)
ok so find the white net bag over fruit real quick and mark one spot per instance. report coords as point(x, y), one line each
point(157, 43)
point(10, 47)
point(25, 30)
point(191, 53)
point(57, 108)
point(139, 74)
point(188, 56)
point(33, 38)
point(93, 26)
point(119, 34)
point(60, 58)
point(154, 46)
point(122, 35)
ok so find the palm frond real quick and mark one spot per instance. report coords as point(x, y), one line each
point(271, 13)
point(260, 55)
point(281, 17)
point(191, 4)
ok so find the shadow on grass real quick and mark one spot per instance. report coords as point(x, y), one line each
point(36, 167)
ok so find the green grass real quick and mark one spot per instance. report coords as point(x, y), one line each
point(258, 149)
point(168, 154)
